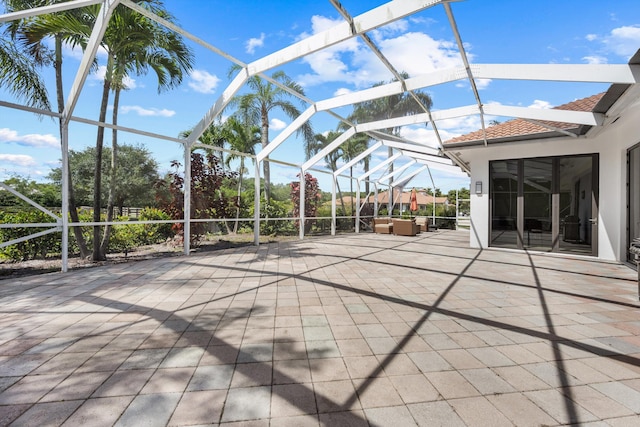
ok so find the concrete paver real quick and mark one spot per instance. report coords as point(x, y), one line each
point(351, 330)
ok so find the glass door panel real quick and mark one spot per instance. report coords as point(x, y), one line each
point(634, 197)
point(504, 197)
point(576, 188)
point(538, 195)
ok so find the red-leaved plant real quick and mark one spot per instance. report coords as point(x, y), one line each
point(207, 201)
point(312, 197)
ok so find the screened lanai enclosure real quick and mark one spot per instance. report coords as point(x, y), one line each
point(386, 129)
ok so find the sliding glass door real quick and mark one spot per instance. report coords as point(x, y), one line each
point(545, 204)
point(633, 197)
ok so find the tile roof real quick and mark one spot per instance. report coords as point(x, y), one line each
point(422, 198)
point(520, 127)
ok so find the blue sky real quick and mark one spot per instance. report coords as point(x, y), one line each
point(496, 31)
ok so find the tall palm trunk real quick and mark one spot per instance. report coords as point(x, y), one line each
point(97, 176)
point(112, 173)
point(344, 209)
point(235, 227)
point(351, 188)
point(73, 211)
point(264, 139)
point(366, 169)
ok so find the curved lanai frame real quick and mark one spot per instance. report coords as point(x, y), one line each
point(358, 26)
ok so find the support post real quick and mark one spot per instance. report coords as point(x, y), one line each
point(187, 199)
point(302, 203)
point(358, 206)
point(256, 206)
point(65, 195)
point(333, 205)
point(457, 211)
point(434, 195)
point(375, 199)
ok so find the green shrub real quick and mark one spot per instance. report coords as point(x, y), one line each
point(155, 233)
point(38, 247)
point(127, 237)
point(124, 238)
point(276, 209)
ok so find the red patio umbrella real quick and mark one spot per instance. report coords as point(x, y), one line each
point(414, 201)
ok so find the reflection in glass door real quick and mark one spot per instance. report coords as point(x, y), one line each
point(576, 211)
point(537, 193)
point(504, 198)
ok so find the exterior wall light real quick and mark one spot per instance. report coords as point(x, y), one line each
point(478, 187)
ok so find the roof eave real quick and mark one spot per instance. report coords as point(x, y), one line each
point(515, 139)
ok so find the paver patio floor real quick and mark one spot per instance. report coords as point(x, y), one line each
point(338, 331)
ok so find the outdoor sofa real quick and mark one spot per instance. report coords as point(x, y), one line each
point(405, 227)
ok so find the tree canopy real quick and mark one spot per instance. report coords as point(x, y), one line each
point(137, 174)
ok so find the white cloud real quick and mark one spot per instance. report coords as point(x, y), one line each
point(451, 128)
point(277, 124)
point(72, 52)
point(327, 65)
point(321, 23)
point(394, 27)
point(29, 140)
point(98, 76)
point(595, 59)
point(253, 43)
point(353, 63)
point(129, 83)
point(203, 82)
point(421, 135)
point(591, 37)
point(418, 53)
point(483, 83)
point(18, 159)
point(147, 112)
point(543, 105)
point(623, 41)
point(342, 91)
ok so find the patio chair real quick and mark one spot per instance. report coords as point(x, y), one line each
point(382, 225)
point(423, 223)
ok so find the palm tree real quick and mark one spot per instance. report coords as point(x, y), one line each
point(133, 43)
point(139, 44)
point(18, 74)
point(351, 149)
point(331, 159)
point(216, 135)
point(254, 107)
point(32, 33)
point(398, 105)
point(243, 137)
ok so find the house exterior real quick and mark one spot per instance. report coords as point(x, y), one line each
point(559, 187)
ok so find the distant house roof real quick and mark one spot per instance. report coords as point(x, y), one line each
point(524, 129)
point(422, 197)
point(347, 200)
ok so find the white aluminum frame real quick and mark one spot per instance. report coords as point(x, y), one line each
point(358, 26)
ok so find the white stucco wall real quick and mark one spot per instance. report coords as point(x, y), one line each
point(611, 143)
